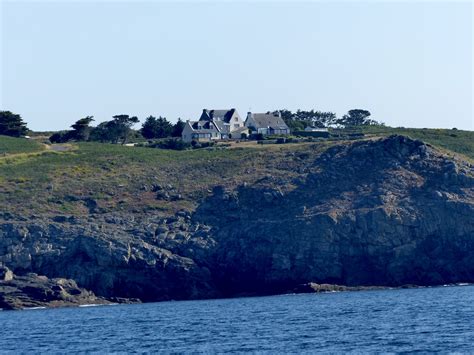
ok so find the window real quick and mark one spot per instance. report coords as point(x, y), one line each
point(236, 125)
point(236, 119)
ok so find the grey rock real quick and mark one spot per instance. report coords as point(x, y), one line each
point(162, 195)
point(32, 290)
point(5, 274)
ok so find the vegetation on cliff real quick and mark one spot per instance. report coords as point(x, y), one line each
point(37, 179)
point(152, 224)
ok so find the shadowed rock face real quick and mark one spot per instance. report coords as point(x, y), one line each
point(385, 212)
point(111, 260)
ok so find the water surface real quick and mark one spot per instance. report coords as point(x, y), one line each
point(427, 320)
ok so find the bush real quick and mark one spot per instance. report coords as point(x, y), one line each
point(174, 144)
point(61, 137)
point(198, 145)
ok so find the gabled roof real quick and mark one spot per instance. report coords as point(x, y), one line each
point(268, 120)
point(218, 115)
point(222, 126)
point(206, 126)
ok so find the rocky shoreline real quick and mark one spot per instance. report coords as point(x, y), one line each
point(33, 291)
point(374, 213)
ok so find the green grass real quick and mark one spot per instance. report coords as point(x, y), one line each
point(118, 177)
point(457, 141)
point(10, 145)
point(38, 181)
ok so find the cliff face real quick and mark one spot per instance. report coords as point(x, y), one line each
point(385, 212)
point(114, 258)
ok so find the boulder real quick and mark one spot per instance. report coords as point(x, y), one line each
point(5, 274)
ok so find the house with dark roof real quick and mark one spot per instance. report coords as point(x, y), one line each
point(214, 125)
point(266, 123)
point(201, 131)
point(228, 121)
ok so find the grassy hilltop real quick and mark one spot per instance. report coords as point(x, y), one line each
point(457, 141)
point(74, 179)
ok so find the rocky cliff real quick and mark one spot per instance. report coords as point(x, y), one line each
point(383, 212)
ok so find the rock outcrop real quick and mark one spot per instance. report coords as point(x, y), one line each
point(32, 290)
point(386, 212)
point(114, 259)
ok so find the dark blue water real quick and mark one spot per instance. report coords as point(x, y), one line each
point(428, 320)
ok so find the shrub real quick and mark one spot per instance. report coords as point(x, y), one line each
point(175, 144)
point(61, 137)
point(198, 145)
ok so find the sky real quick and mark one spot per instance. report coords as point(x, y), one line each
point(408, 63)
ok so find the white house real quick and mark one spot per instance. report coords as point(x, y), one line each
point(214, 125)
point(266, 123)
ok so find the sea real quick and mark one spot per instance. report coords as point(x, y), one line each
point(427, 320)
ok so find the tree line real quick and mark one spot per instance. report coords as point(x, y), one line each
point(119, 129)
point(299, 120)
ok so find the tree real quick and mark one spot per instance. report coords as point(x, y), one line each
point(316, 118)
point(324, 119)
point(156, 128)
point(11, 124)
point(80, 132)
point(81, 129)
point(286, 115)
point(101, 133)
point(178, 128)
point(114, 131)
point(356, 117)
point(291, 120)
point(301, 119)
point(121, 126)
point(295, 126)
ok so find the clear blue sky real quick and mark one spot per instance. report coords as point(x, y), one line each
point(410, 64)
